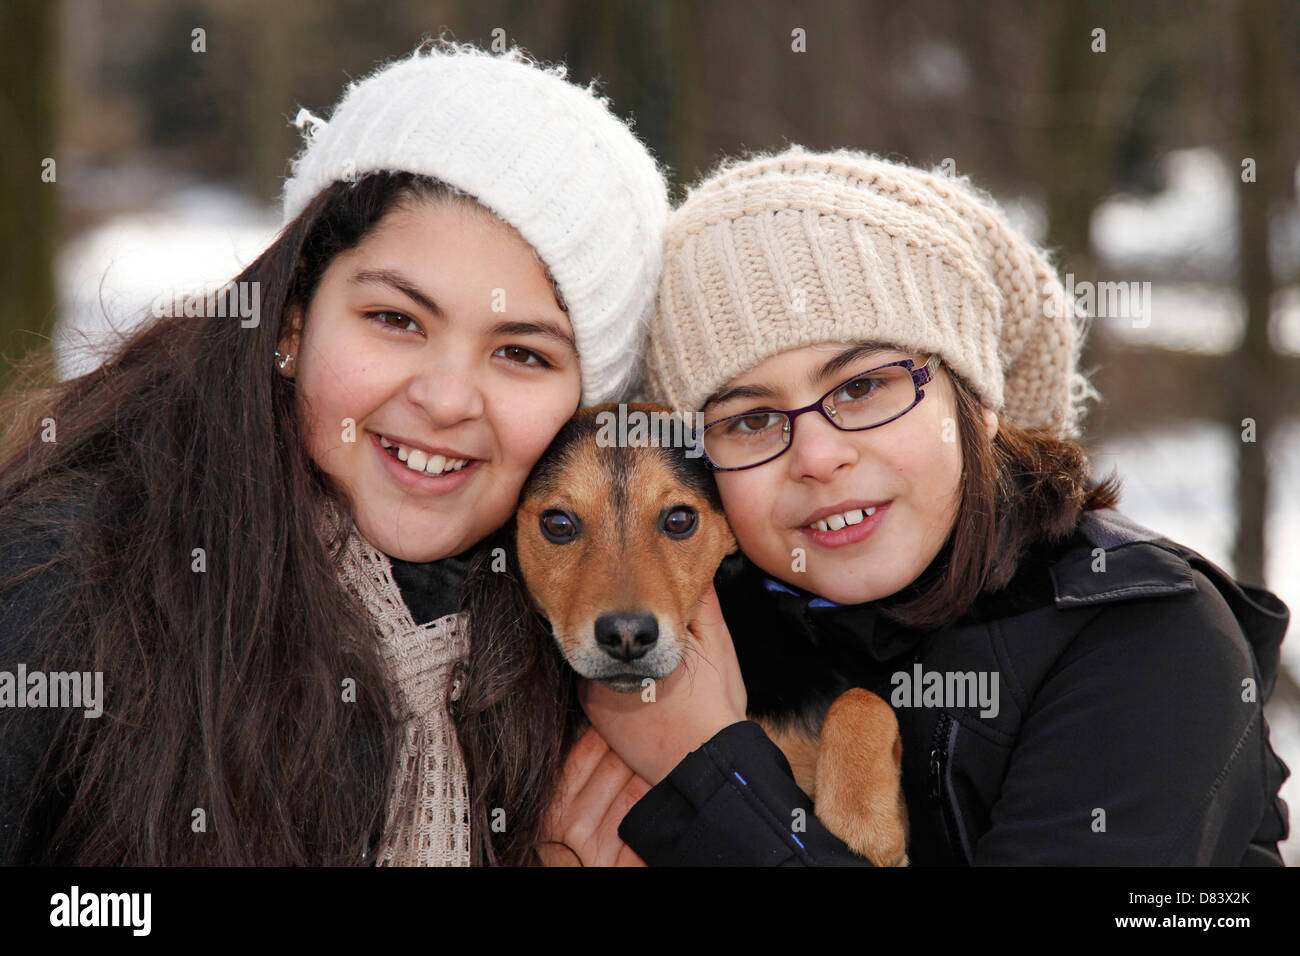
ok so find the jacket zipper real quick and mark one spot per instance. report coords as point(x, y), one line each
point(938, 764)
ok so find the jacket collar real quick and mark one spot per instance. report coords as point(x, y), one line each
point(1119, 560)
point(836, 628)
point(853, 628)
point(1066, 574)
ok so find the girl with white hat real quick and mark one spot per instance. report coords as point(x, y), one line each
point(252, 532)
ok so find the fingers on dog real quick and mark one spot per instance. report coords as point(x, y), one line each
point(633, 790)
point(579, 765)
point(591, 805)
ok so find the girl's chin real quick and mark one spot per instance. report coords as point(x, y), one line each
point(851, 592)
point(415, 541)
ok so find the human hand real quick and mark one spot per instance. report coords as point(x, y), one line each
point(595, 792)
point(705, 694)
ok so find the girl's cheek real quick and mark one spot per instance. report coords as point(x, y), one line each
point(310, 420)
point(747, 505)
point(526, 426)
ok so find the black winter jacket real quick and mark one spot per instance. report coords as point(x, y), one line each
point(1129, 728)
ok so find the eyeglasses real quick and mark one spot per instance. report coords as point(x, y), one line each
point(868, 400)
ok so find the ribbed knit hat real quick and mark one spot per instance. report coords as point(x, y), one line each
point(778, 252)
point(546, 156)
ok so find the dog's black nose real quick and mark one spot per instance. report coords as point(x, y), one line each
point(627, 635)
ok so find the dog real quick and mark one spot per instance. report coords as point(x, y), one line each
point(616, 545)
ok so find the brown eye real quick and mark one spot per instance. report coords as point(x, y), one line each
point(522, 356)
point(680, 521)
point(395, 320)
point(864, 387)
point(754, 424)
point(560, 527)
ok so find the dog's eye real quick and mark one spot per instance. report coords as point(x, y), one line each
point(560, 526)
point(680, 522)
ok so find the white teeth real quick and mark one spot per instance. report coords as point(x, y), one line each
point(419, 460)
point(836, 522)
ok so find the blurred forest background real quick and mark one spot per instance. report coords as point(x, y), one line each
point(1141, 141)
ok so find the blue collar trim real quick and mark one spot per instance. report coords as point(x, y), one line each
point(772, 584)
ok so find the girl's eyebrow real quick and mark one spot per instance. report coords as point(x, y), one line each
point(395, 280)
point(845, 359)
point(535, 327)
point(818, 375)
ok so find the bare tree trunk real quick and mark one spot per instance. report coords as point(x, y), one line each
point(1077, 148)
point(1076, 178)
point(270, 98)
point(1254, 378)
point(28, 212)
point(626, 45)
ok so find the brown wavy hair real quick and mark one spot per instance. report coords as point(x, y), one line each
point(222, 689)
point(1023, 489)
point(519, 715)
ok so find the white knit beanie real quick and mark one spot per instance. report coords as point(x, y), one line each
point(546, 156)
point(778, 252)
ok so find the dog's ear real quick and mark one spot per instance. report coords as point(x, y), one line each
point(733, 544)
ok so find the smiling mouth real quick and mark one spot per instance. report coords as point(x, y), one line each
point(421, 461)
point(842, 520)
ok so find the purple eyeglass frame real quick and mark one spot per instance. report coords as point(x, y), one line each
point(921, 377)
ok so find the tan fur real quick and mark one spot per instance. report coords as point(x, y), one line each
point(624, 562)
point(800, 750)
point(605, 570)
point(859, 777)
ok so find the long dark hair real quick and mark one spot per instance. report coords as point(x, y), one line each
point(223, 671)
point(518, 713)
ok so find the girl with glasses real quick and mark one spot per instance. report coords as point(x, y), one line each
point(889, 378)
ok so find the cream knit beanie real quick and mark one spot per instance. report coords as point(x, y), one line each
point(546, 156)
point(778, 252)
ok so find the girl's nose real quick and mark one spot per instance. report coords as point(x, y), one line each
point(818, 449)
point(449, 391)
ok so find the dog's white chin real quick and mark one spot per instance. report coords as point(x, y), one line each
point(624, 676)
point(629, 686)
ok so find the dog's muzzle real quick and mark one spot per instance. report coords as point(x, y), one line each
point(627, 636)
point(623, 649)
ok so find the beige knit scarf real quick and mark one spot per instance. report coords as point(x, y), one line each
point(428, 807)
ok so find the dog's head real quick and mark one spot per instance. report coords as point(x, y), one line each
point(618, 539)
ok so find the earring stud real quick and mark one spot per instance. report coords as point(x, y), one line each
point(282, 359)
